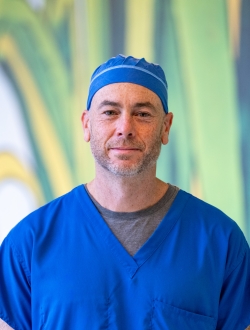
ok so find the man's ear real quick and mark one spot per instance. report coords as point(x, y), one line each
point(168, 119)
point(86, 125)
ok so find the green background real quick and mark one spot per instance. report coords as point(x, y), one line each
point(49, 52)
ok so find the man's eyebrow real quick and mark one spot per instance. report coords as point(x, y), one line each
point(144, 105)
point(109, 103)
point(119, 105)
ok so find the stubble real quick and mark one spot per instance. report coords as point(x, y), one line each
point(123, 166)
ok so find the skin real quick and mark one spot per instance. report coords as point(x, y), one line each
point(126, 126)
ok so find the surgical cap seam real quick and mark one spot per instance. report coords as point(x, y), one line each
point(128, 67)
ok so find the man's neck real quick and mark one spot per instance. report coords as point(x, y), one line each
point(127, 194)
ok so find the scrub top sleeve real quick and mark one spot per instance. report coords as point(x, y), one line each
point(234, 309)
point(15, 291)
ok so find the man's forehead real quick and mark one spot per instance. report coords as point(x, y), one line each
point(125, 92)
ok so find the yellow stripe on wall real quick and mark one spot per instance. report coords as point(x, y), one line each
point(234, 9)
point(47, 141)
point(10, 167)
point(140, 19)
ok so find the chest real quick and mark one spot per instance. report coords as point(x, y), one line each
point(88, 280)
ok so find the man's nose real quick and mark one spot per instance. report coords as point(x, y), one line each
point(125, 126)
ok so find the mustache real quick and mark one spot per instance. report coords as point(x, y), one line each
point(125, 143)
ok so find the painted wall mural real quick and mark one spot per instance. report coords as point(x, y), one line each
point(48, 50)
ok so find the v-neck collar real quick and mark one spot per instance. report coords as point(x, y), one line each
point(131, 263)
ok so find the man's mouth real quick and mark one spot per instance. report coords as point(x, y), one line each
point(124, 150)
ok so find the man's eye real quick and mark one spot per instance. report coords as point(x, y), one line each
point(143, 114)
point(109, 112)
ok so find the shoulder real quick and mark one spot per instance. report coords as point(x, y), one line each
point(47, 219)
point(46, 212)
point(211, 227)
point(201, 211)
point(44, 227)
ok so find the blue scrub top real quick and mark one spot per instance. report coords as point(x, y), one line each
point(62, 268)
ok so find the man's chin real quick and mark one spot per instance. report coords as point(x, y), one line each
point(123, 170)
point(126, 170)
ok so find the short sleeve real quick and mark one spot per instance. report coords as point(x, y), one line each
point(234, 309)
point(15, 291)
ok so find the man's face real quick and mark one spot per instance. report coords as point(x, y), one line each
point(126, 126)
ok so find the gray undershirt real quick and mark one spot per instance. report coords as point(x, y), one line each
point(133, 229)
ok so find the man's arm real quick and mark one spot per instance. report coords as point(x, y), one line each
point(15, 301)
point(234, 309)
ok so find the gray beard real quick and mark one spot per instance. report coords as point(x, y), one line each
point(149, 159)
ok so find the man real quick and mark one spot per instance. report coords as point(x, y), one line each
point(126, 251)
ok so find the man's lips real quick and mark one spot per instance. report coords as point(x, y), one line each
point(124, 150)
point(121, 143)
point(118, 146)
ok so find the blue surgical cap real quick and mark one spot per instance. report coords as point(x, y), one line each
point(121, 69)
